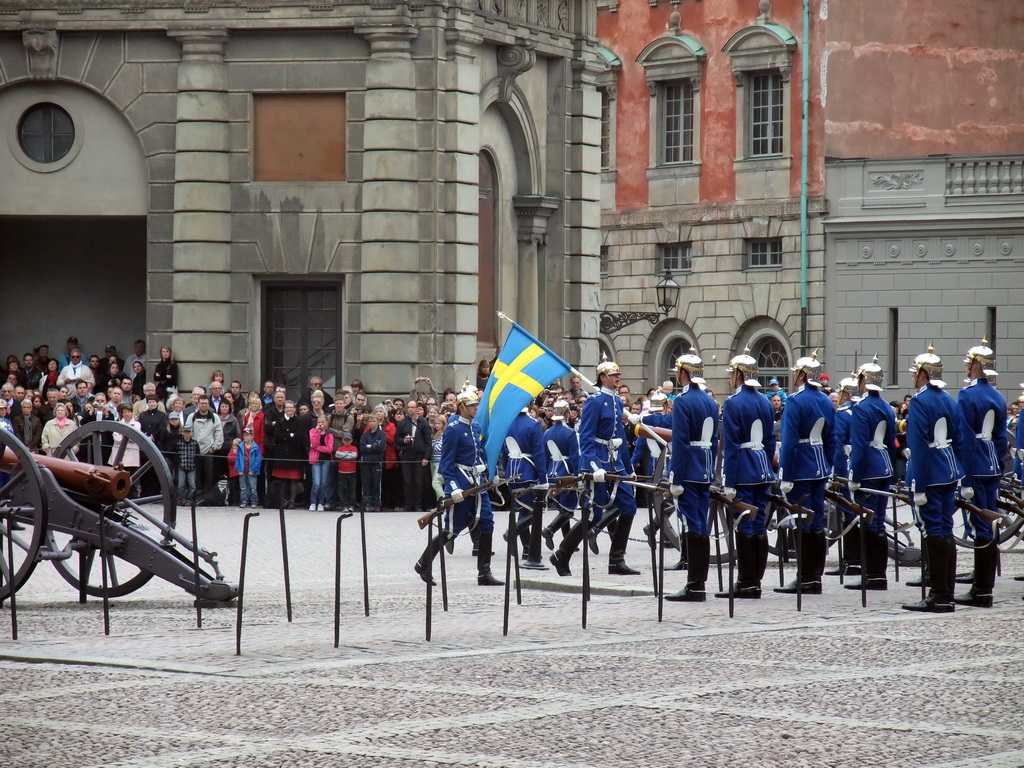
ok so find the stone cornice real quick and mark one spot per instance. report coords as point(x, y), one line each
point(710, 214)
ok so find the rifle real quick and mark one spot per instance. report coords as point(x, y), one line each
point(740, 506)
point(988, 515)
point(424, 520)
point(859, 510)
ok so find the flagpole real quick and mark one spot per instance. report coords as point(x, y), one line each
point(584, 379)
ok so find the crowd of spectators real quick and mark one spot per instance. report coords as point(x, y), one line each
point(228, 443)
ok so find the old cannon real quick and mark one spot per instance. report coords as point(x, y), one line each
point(76, 510)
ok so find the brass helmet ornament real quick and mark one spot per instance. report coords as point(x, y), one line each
point(746, 365)
point(981, 354)
point(931, 364)
point(693, 365)
point(872, 375)
point(810, 367)
point(469, 395)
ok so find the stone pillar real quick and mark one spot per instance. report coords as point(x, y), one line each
point(201, 251)
point(390, 270)
point(532, 212)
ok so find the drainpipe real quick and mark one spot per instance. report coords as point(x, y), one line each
point(805, 105)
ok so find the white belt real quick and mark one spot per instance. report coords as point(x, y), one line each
point(700, 444)
point(612, 444)
point(983, 436)
point(877, 444)
point(750, 446)
point(811, 440)
point(466, 469)
point(941, 444)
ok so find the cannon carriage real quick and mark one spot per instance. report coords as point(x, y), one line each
point(77, 510)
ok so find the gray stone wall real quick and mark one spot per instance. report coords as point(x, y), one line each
point(941, 240)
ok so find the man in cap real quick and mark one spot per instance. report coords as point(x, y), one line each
point(603, 451)
point(805, 466)
point(844, 416)
point(463, 465)
point(936, 438)
point(775, 389)
point(563, 452)
point(694, 447)
point(76, 370)
point(872, 448)
point(748, 446)
point(983, 409)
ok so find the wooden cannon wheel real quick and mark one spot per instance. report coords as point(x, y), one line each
point(21, 492)
point(109, 443)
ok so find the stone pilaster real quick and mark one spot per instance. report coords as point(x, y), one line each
point(389, 280)
point(201, 286)
point(532, 214)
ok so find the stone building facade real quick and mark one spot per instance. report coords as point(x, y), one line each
point(925, 180)
point(284, 188)
point(703, 137)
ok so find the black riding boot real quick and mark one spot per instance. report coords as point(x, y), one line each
point(698, 552)
point(811, 561)
point(940, 576)
point(483, 564)
point(423, 565)
point(851, 565)
point(876, 560)
point(608, 520)
point(617, 554)
point(748, 567)
point(986, 560)
point(560, 559)
point(563, 516)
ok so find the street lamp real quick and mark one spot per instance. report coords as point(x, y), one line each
point(667, 291)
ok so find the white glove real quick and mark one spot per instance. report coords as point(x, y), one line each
point(729, 493)
point(854, 486)
point(676, 490)
point(541, 486)
point(847, 449)
point(906, 454)
point(920, 499)
point(457, 496)
point(634, 418)
point(1020, 454)
point(966, 493)
point(785, 487)
point(599, 475)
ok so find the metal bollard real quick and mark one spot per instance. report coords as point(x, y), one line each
point(195, 566)
point(103, 569)
point(10, 565)
point(241, 581)
point(337, 577)
point(366, 575)
point(284, 557)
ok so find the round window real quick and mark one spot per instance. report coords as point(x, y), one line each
point(46, 133)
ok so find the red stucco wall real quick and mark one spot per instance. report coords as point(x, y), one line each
point(713, 23)
point(920, 77)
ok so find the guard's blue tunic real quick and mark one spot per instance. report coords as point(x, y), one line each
point(602, 446)
point(463, 465)
point(872, 446)
point(525, 460)
point(983, 409)
point(936, 436)
point(808, 444)
point(748, 445)
point(840, 461)
point(563, 452)
point(694, 447)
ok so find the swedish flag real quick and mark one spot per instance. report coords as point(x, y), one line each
point(521, 372)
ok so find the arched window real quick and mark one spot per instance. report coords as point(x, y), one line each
point(772, 361)
point(675, 348)
point(487, 222)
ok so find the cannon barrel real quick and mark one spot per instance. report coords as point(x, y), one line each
point(104, 484)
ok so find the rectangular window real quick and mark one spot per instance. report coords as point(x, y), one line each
point(766, 118)
point(894, 344)
point(990, 325)
point(301, 335)
point(606, 130)
point(605, 255)
point(675, 257)
point(677, 123)
point(764, 253)
point(298, 136)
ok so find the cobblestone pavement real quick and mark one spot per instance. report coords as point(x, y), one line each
point(833, 685)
